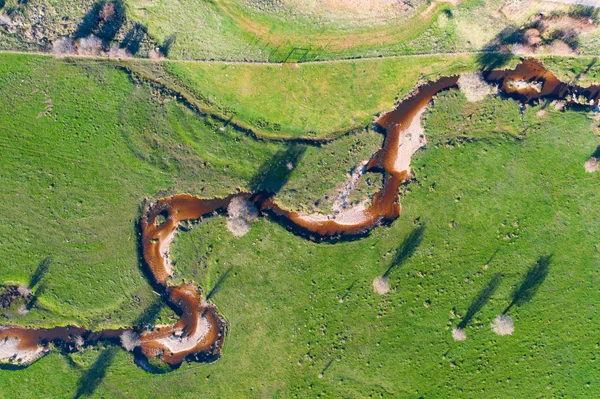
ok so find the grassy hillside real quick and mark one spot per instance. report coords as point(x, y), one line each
point(315, 99)
point(283, 31)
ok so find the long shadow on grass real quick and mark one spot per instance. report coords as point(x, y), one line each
point(150, 314)
point(491, 60)
point(218, 284)
point(93, 377)
point(34, 299)
point(407, 248)
point(348, 291)
point(165, 47)
point(480, 300)
point(36, 278)
point(40, 271)
point(275, 172)
point(134, 38)
point(531, 282)
point(326, 368)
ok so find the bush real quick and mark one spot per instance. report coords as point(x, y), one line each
point(130, 340)
point(117, 52)
point(591, 165)
point(381, 285)
point(90, 45)
point(503, 325)
point(107, 12)
point(64, 45)
point(582, 11)
point(474, 87)
point(241, 213)
point(458, 334)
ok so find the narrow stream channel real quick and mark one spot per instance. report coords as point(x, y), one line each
point(199, 333)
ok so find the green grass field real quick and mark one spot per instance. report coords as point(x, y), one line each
point(83, 145)
point(301, 103)
point(284, 31)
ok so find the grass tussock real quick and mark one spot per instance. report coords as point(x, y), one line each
point(474, 87)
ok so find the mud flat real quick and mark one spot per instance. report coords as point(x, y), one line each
point(200, 332)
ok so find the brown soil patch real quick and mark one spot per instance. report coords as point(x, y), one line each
point(591, 165)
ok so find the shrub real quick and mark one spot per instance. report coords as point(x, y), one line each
point(503, 325)
point(474, 87)
point(117, 52)
point(591, 165)
point(64, 45)
point(90, 45)
point(458, 334)
point(130, 340)
point(381, 285)
point(24, 291)
point(238, 227)
point(156, 55)
point(583, 11)
point(79, 341)
point(241, 213)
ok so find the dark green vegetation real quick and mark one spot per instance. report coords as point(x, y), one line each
point(83, 146)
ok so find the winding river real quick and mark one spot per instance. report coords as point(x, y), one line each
point(200, 332)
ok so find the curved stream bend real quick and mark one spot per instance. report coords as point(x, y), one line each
point(200, 331)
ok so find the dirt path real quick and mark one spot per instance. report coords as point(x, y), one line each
point(232, 62)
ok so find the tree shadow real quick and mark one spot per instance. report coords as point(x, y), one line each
point(490, 60)
point(34, 299)
point(91, 379)
point(329, 363)
point(104, 20)
point(596, 153)
point(150, 314)
point(133, 39)
point(218, 284)
point(407, 248)
point(348, 291)
point(165, 47)
point(275, 172)
point(40, 271)
point(480, 300)
point(531, 282)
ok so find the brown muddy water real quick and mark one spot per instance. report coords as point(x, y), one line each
point(199, 333)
